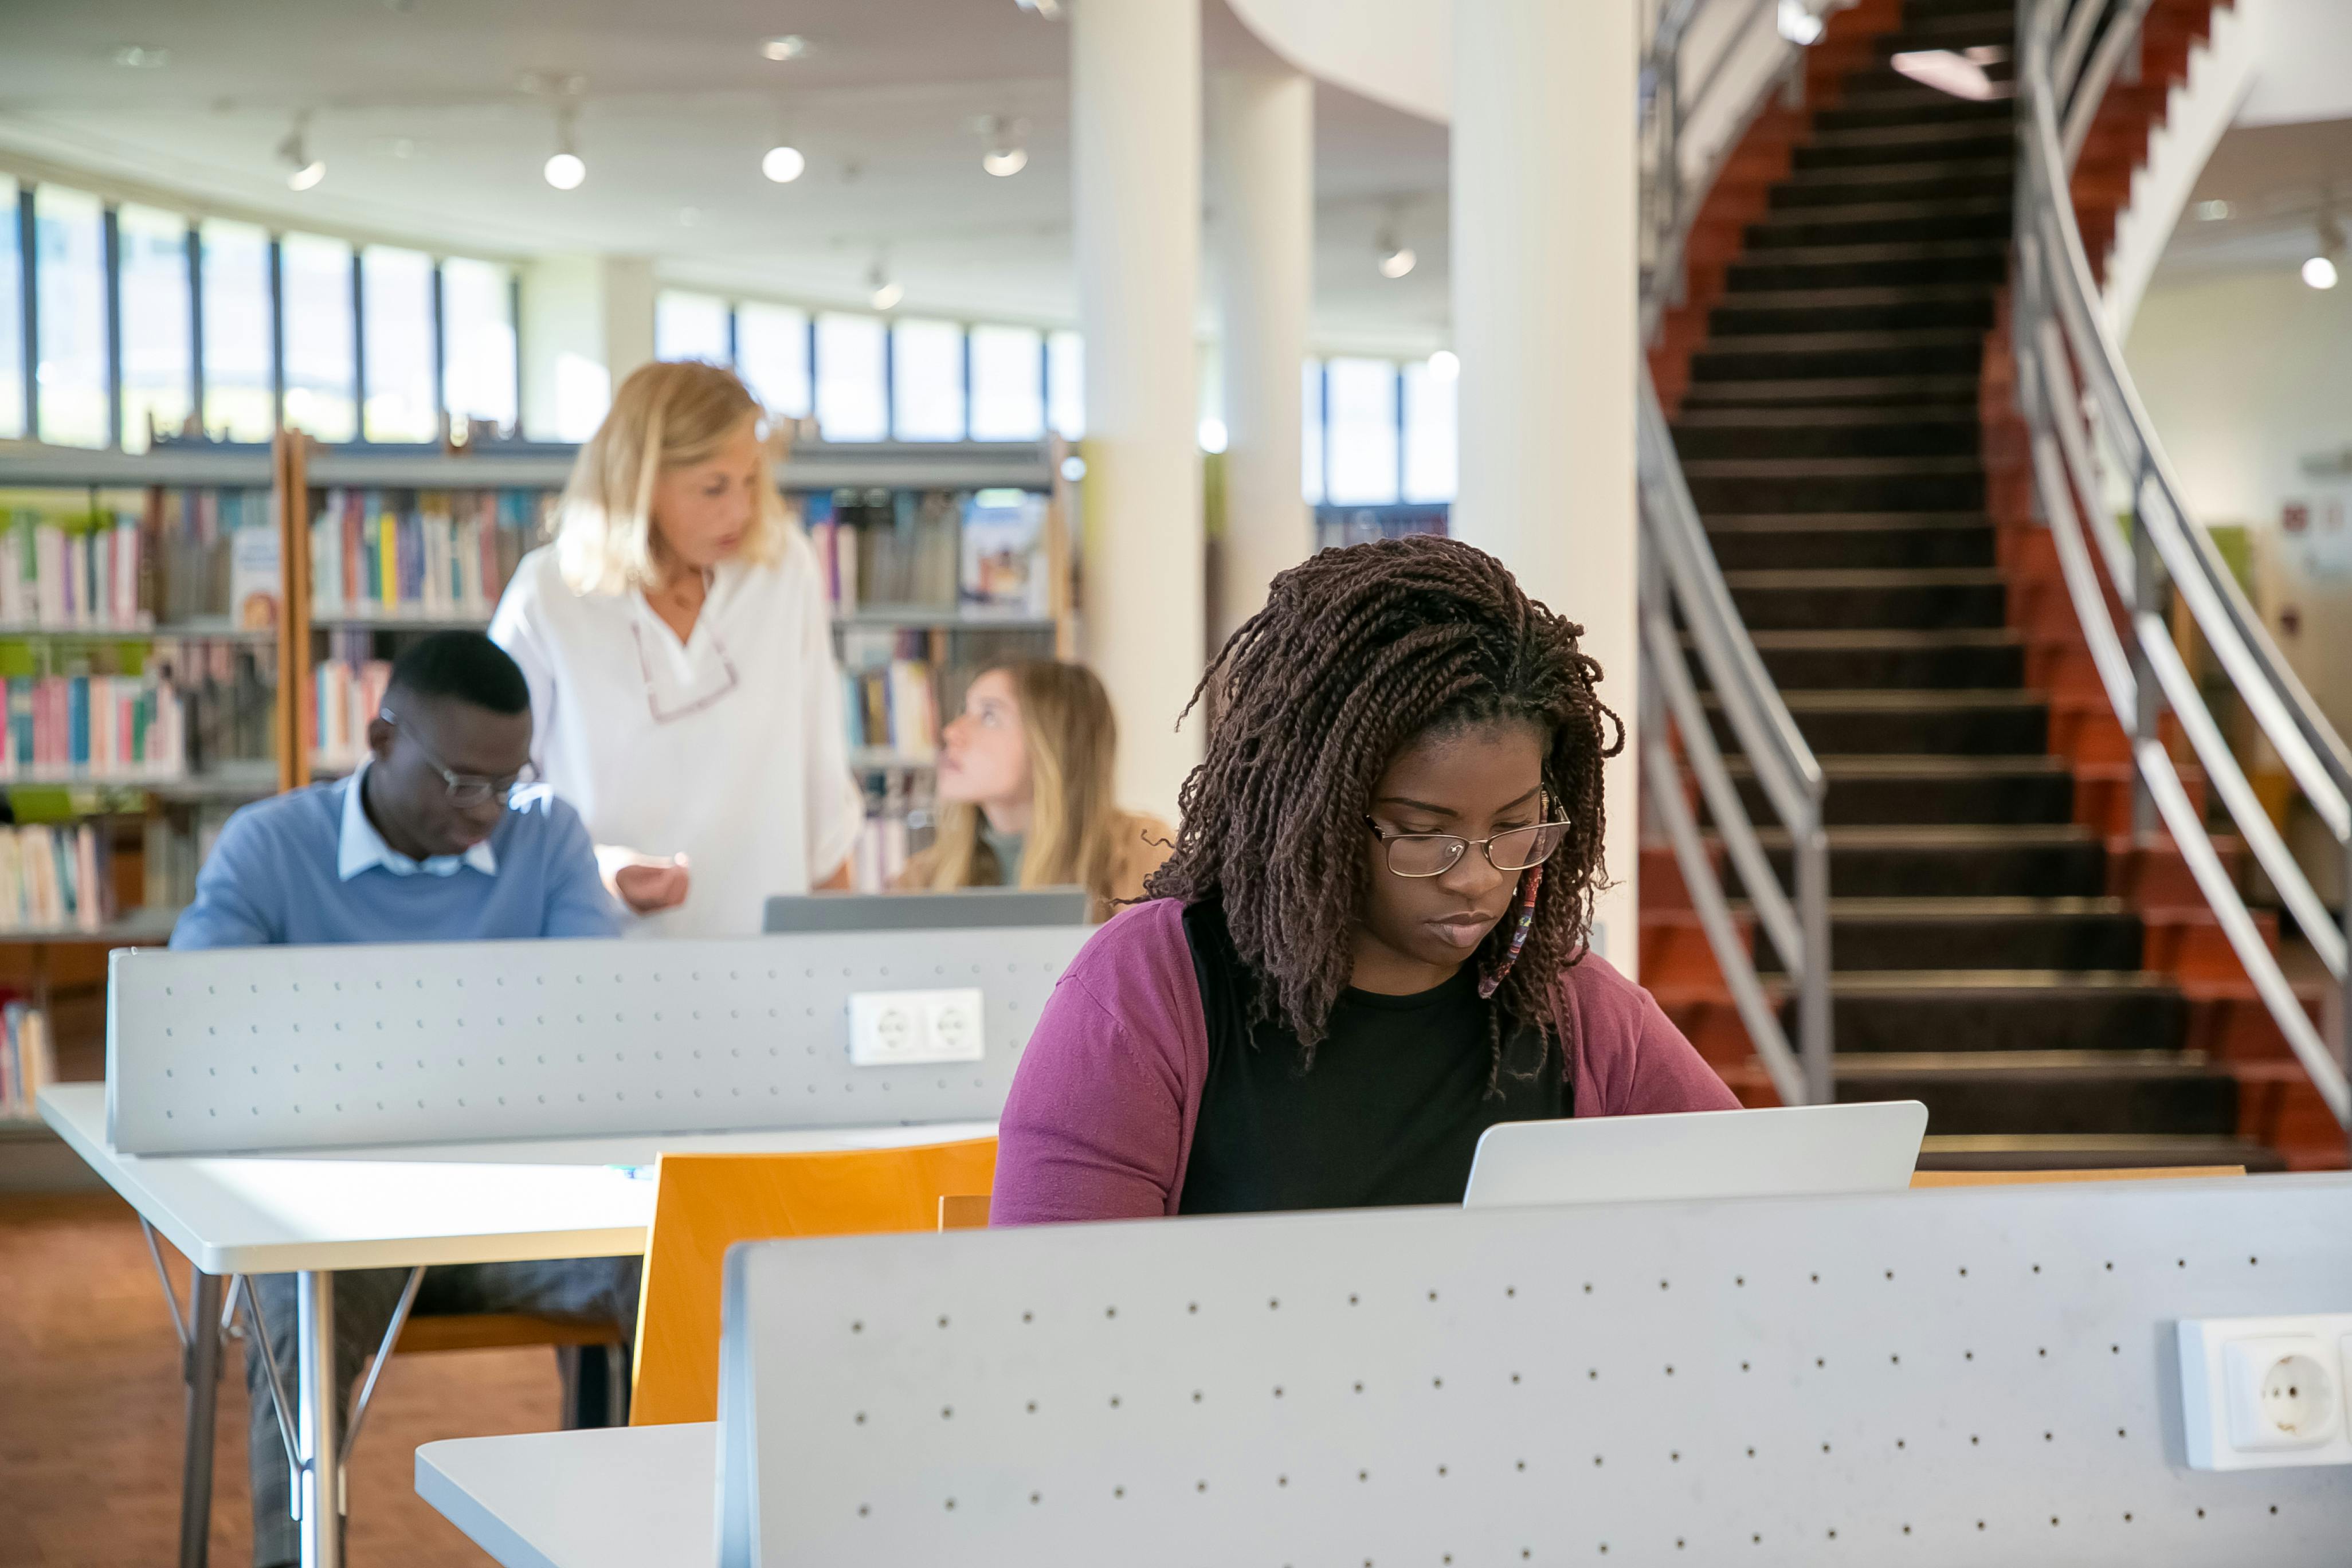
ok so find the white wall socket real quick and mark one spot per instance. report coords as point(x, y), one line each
point(902, 1028)
point(2265, 1393)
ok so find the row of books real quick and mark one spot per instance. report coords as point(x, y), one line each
point(898, 818)
point(346, 696)
point(173, 847)
point(81, 571)
point(27, 1057)
point(214, 555)
point(95, 726)
point(892, 706)
point(229, 696)
point(423, 555)
point(984, 550)
point(56, 877)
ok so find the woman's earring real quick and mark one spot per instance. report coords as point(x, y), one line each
point(1528, 885)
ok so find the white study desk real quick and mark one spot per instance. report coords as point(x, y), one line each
point(405, 1207)
point(618, 1497)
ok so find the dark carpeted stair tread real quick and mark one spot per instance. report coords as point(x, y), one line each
point(2092, 1152)
point(1910, 859)
point(1887, 547)
point(1839, 577)
point(1877, 223)
point(2050, 1092)
point(1741, 316)
point(1863, 110)
point(1770, 432)
point(1965, 659)
point(1809, 191)
point(1864, 176)
point(1942, 138)
point(1826, 392)
point(1830, 468)
point(1930, 787)
point(1910, 933)
point(2007, 1011)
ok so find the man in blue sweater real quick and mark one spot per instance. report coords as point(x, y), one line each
point(437, 837)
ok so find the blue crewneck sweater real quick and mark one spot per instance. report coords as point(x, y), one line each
point(274, 877)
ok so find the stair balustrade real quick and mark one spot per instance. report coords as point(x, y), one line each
point(2094, 454)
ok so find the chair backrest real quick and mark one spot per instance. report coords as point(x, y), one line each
point(705, 1204)
point(2027, 1178)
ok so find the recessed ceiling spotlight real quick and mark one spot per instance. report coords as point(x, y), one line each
point(564, 169)
point(783, 163)
point(1444, 365)
point(789, 46)
point(882, 291)
point(1006, 155)
point(2212, 212)
point(2320, 271)
point(303, 171)
point(141, 56)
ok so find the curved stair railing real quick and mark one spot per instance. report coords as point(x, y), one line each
point(1679, 575)
point(2092, 443)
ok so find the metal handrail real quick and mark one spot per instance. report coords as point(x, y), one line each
point(2087, 424)
point(1679, 575)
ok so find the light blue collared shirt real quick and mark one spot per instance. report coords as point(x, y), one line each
point(361, 847)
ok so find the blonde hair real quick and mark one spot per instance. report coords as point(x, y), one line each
point(1077, 833)
point(667, 414)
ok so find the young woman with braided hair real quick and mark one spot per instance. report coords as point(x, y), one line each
point(1370, 942)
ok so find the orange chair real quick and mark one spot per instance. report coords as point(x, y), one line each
point(704, 1203)
point(2029, 1178)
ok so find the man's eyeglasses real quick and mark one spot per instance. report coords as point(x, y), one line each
point(1435, 853)
point(467, 790)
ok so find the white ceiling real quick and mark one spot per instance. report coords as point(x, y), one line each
point(420, 110)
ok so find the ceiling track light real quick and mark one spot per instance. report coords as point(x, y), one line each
point(783, 162)
point(564, 169)
point(1394, 259)
point(1007, 155)
point(882, 291)
point(303, 171)
point(789, 46)
point(2320, 271)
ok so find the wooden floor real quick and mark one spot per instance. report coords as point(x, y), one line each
point(91, 1410)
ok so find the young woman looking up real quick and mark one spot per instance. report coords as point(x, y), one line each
point(1370, 943)
point(1025, 792)
point(683, 695)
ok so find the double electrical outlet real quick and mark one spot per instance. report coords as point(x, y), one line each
point(2267, 1393)
point(904, 1028)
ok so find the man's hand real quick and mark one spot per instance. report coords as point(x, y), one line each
point(643, 883)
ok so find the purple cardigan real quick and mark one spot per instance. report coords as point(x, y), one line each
point(1099, 1122)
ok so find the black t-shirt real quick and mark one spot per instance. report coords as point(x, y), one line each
point(1390, 1113)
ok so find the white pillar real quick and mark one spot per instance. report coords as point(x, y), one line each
point(587, 321)
point(1262, 180)
point(1545, 320)
point(1135, 131)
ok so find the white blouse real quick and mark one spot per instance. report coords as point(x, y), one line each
point(727, 748)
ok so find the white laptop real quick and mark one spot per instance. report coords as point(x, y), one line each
point(1800, 1151)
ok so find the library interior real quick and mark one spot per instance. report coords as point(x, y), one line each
point(1640, 703)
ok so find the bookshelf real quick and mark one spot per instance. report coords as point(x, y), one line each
point(891, 520)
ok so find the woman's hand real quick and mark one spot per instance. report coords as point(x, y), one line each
point(645, 884)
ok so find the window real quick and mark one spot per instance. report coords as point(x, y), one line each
point(320, 380)
point(396, 302)
point(690, 326)
point(851, 375)
point(239, 397)
point(69, 250)
point(158, 374)
point(1065, 384)
point(1432, 450)
point(1008, 383)
point(1360, 397)
point(11, 313)
point(771, 354)
point(926, 381)
point(477, 337)
point(1310, 426)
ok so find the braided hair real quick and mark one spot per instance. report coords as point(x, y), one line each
point(1358, 653)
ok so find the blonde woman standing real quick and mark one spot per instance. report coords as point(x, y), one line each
point(684, 694)
point(1026, 796)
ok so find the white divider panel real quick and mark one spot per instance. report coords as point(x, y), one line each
point(294, 1048)
point(1981, 1377)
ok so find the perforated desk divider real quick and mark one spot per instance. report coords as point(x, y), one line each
point(1972, 1376)
point(284, 1047)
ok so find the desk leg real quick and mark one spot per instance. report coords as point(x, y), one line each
point(202, 1366)
point(319, 1478)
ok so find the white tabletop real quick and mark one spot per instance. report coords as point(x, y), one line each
point(622, 1497)
point(416, 1204)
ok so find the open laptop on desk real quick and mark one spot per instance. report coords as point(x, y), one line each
point(1798, 1150)
point(958, 911)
